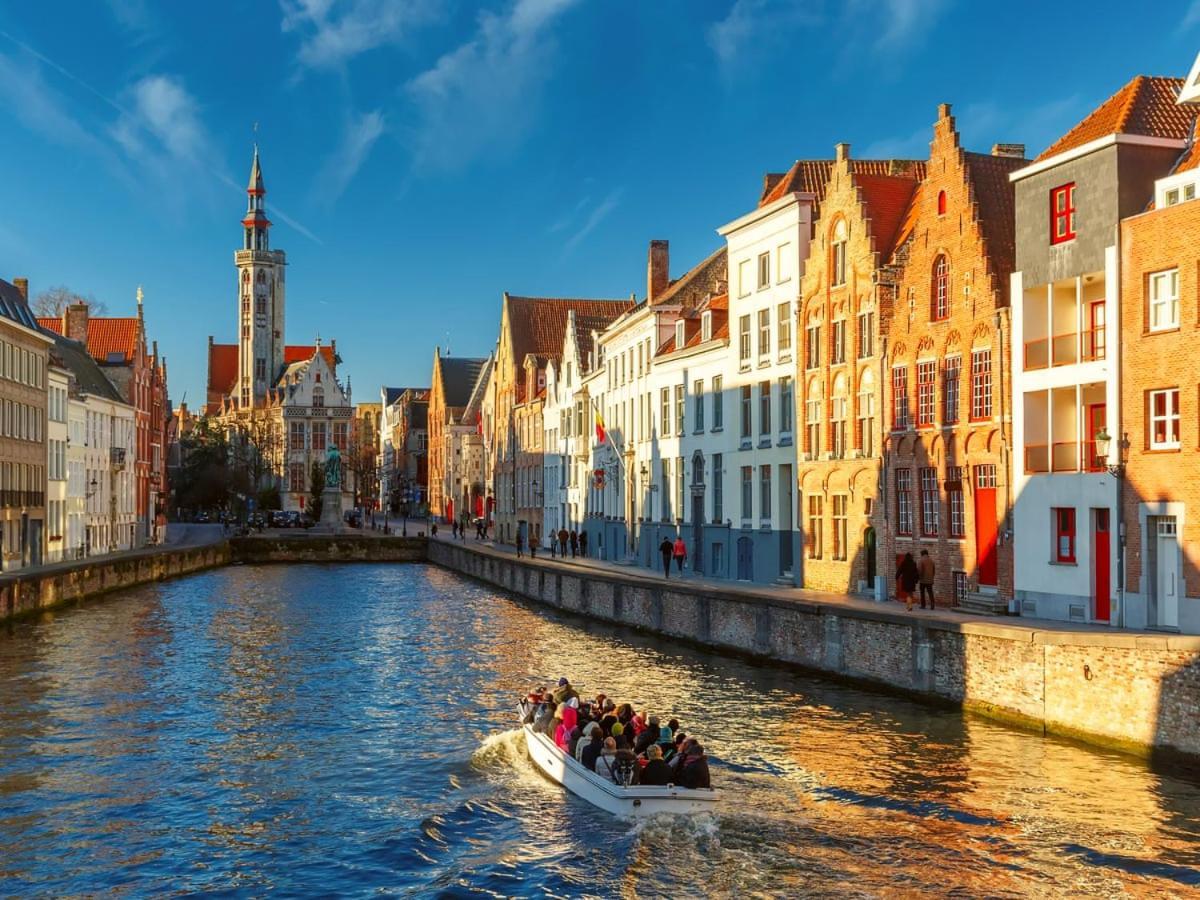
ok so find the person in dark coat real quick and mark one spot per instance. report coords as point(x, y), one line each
point(583, 543)
point(574, 543)
point(906, 580)
point(593, 750)
point(647, 738)
point(656, 771)
point(562, 542)
point(666, 548)
point(691, 770)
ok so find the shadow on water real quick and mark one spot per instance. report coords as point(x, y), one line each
point(352, 729)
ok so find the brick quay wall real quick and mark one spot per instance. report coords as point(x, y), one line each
point(1138, 693)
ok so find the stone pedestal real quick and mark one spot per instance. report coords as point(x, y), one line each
point(331, 510)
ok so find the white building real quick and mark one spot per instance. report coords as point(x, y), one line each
point(58, 383)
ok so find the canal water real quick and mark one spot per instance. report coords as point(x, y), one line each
point(349, 729)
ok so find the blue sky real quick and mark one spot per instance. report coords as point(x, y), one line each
point(421, 157)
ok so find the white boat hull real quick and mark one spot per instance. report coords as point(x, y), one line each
point(628, 802)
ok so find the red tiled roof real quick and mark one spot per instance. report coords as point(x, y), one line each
point(106, 335)
point(223, 365)
point(692, 288)
point(1191, 156)
point(994, 193)
point(811, 175)
point(886, 201)
point(1146, 106)
point(539, 324)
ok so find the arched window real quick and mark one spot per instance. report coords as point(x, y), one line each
point(941, 203)
point(318, 397)
point(939, 291)
point(866, 413)
point(837, 262)
point(837, 417)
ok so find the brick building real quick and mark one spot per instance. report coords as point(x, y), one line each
point(1160, 403)
point(947, 449)
point(845, 286)
point(454, 382)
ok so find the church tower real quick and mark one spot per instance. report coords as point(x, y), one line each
point(260, 300)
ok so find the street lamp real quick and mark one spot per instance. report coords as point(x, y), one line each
point(1104, 443)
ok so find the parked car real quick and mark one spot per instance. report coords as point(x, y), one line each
point(202, 518)
point(279, 519)
point(353, 518)
point(257, 520)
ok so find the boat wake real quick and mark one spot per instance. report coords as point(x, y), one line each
point(504, 750)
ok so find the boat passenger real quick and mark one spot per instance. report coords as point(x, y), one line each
point(656, 771)
point(670, 753)
point(590, 730)
point(619, 736)
point(610, 716)
point(666, 739)
point(564, 691)
point(573, 740)
point(691, 771)
point(648, 736)
point(545, 713)
point(569, 712)
point(562, 737)
point(593, 750)
point(625, 714)
point(627, 768)
point(606, 762)
point(639, 723)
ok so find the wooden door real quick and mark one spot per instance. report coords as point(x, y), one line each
point(985, 524)
point(1101, 560)
point(1167, 572)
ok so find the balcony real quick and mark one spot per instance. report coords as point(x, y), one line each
point(1064, 323)
point(1060, 429)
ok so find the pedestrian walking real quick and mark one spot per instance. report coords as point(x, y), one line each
point(679, 551)
point(926, 571)
point(666, 548)
point(553, 544)
point(520, 545)
point(533, 548)
point(562, 542)
point(583, 543)
point(906, 580)
point(574, 543)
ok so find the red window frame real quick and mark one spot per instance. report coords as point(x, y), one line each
point(1064, 534)
point(926, 393)
point(901, 418)
point(939, 293)
point(1062, 213)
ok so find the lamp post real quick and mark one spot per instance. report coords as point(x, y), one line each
point(1104, 443)
point(87, 528)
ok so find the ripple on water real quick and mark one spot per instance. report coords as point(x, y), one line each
point(350, 729)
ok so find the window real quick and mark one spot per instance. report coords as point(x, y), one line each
point(904, 511)
point(679, 409)
point(764, 270)
point(679, 335)
point(718, 488)
point(764, 408)
point(698, 405)
point(1164, 300)
point(866, 414)
point(747, 493)
point(666, 490)
point(1164, 419)
point(706, 326)
point(764, 332)
point(866, 334)
point(339, 435)
point(930, 507)
point(837, 418)
point(746, 412)
point(783, 263)
point(815, 514)
point(900, 414)
point(296, 478)
point(981, 384)
point(837, 261)
point(954, 497)
point(318, 397)
point(837, 343)
point(939, 290)
point(718, 399)
point(764, 493)
point(840, 504)
point(260, 369)
point(785, 405)
point(813, 349)
point(681, 506)
point(926, 392)
point(1062, 213)
point(665, 400)
point(744, 340)
point(318, 435)
point(951, 375)
point(941, 203)
point(812, 420)
point(1064, 534)
point(785, 328)
point(296, 441)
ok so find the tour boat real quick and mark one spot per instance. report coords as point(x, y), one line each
point(628, 802)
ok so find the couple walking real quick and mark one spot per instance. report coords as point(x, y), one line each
point(911, 573)
point(669, 550)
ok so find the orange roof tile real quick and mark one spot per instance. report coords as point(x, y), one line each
point(107, 336)
point(1191, 156)
point(994, 199)
point(812, 175)
point(692, 288)
point(539, 324)
point(886, 200)
point(1146, 106)
point(223, 365)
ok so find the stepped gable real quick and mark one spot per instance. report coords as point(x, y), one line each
point(886, 202)
point(810, 176)
point(1147, 105)
point(996, 210)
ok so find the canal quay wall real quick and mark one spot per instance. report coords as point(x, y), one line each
point(1138, 693)
point(321, 548)
point(28, 592)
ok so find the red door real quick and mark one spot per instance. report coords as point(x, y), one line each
point(1102, 544)
point(1097, 420)
point(449, 510)
point(1096, 344)
point(985, 524)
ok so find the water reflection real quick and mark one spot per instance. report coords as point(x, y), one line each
point(350, 728)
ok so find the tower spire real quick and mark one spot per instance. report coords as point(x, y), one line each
point(256, 222)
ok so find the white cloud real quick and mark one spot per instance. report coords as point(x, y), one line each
point(338, 30)
point(359, 137)
point(39, 107)
point(1193, 14)
point(162, 108)
point(483, 95)
point(737, 40)
point(595, 217)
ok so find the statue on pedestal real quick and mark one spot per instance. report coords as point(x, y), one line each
point(333, 467)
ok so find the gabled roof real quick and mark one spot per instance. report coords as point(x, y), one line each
point(1145, 106)
point(459, 375)
point(886, 200)
point(223, 364)
point(89, 377)
point(110, 339)
point(1190, 159)
point(993, 192)
point(810, 176)
point(707, 277)
point(474, 405)
point(539, 324)
point(14, 308)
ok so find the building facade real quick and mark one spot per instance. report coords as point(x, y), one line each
point(58, 382)
point(455, 381)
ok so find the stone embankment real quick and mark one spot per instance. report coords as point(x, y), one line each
point(320, 548)
point(1135, 692)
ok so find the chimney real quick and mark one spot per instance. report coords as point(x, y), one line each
point(1011, 151)
point(22, 285)
point(76, 317)
point(658, 270)
point(841, 151)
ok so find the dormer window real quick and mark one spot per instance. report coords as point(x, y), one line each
point(679, 335)
point(706, 327)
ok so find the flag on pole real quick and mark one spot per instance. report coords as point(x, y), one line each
point(600, 433)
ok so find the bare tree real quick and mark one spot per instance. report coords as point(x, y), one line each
point(54, 301)
point(360, 460)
